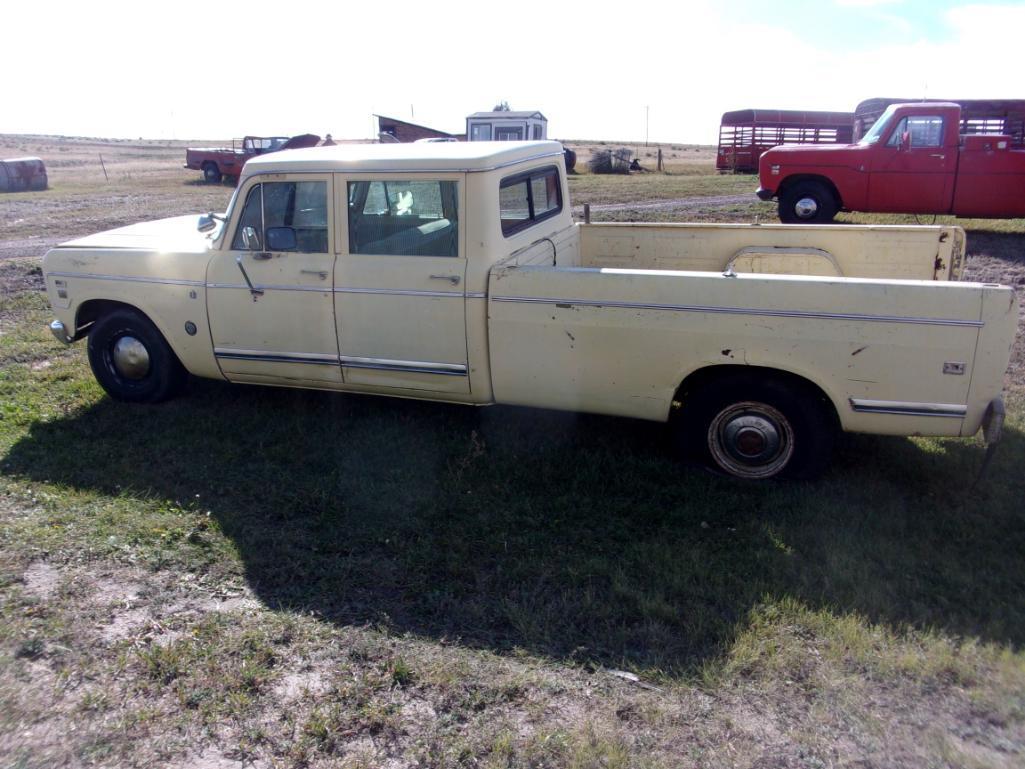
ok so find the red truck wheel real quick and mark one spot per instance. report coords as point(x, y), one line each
point(211, 173)
point(807, 203)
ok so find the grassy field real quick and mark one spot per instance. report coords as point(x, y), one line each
point(259, 577)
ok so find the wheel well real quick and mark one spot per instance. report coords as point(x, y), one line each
point(790, 181)
point(704, 377)
point(94, 309)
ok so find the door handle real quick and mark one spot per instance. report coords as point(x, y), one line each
point(253, 290)
point(322, 274)
point(453, 279)
point(937, 156)
point(262, 255)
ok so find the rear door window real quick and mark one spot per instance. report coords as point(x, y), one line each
point(528, 198)
point(404, 218)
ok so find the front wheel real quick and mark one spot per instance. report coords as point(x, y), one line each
point(807, 203)
point(759, 428)
point(131, 360)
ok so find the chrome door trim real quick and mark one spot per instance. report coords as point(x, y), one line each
point(408, 366)
point(909, 408)
point(743, 311)
point(398, 292)
point(128, 278)
point(272, 287)
point(315, 358)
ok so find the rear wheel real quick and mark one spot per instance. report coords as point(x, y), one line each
point(759, 428)
point(211, 173)
point(807, 203)
point(131, 360)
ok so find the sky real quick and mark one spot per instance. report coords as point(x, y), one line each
point(625, 71)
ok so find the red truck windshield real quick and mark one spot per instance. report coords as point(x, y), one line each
point(873, 134)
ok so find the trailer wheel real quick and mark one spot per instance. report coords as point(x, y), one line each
point(757, 428)
point(807, 203)
point(211, 173)
point(131, 359)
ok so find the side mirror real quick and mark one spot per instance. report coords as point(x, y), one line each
point(280, 239)
point(250, 240)
point(905, 141)
point(206, 223)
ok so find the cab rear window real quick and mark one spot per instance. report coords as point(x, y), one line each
point(528, 198)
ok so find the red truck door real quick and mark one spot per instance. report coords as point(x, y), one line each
point(913, 171)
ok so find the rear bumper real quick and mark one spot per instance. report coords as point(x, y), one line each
point(764, 194)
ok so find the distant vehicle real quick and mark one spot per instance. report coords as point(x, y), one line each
point(913, 160)
point(435, 139)
point(218, 162)
point(20, 174)
point(745, 134)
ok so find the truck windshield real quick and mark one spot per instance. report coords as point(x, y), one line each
point(873, 134)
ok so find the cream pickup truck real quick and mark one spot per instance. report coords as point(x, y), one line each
point(455, 272)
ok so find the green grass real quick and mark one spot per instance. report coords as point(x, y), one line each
point(571, 536)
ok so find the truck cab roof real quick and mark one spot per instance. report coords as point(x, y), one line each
point(428, 157)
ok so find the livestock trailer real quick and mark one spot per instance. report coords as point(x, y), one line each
point(745, 134)
point(20, 174)
point(993, 117)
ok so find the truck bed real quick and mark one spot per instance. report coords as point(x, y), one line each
point(851, 251)
point(620, 324)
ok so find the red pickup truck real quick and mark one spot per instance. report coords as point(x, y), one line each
point(911, 161)
point(218, 162)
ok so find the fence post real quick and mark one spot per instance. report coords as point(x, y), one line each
point(105, 177)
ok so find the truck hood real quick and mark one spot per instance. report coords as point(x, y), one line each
point(832, 154)
point(177, 234)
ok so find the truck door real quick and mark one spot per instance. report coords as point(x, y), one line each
point(400, 299)
point(913, 172)
point(269, 290)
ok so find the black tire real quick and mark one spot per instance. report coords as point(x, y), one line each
point(132, 361)
point(211, 174)
point(758, 427)
point(807, 203)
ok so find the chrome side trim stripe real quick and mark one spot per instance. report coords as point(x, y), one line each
point(315, 358)
point(347, 290)
point(476, 295)
point(317, 289)
point(909, 408)
point(743, 311)
point(410, 366)
point(327, 359)
point(128, 278)
point(398, 292)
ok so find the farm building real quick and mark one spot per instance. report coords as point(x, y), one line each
point(404, 131)
point(506, 125)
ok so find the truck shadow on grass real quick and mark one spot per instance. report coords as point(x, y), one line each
point(570, 536)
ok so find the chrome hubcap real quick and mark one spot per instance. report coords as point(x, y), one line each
point(131, 358)
point(751, 440)
point(806, 208)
